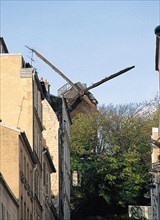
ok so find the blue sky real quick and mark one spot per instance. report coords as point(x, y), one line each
point(87, 41)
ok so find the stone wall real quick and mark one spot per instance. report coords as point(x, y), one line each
point(50, 134)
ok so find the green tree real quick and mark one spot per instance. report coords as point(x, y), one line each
point(110, 150)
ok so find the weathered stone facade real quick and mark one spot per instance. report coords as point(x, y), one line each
point(21, 110)
point(50, 134)
point(17, 168)
point(8, 202)
point(57, 135)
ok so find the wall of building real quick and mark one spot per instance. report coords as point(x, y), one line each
point(50, 134)
point(9, 158)
point(155, 170)
point(48, 168)
point(8, 204)
point(21, 109)
point(155, 149)
point(57, 137)
point(26, 166)
point(66, 160)
point(17, 168)
point(16, 94)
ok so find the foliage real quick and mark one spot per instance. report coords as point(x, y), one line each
point(111, 152)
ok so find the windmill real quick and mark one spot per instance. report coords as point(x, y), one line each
point(78, 92)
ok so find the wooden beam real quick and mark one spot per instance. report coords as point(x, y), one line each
point(108, 78)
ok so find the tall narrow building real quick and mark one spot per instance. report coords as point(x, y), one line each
point(57, 123)
point(21, 98)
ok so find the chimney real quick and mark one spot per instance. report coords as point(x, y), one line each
point(47, 86)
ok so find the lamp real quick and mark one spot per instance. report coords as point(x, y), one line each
point(157, 31)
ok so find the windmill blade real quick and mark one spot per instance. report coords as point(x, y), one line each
point(108, 78)
point(56, 70)
point(79, 91)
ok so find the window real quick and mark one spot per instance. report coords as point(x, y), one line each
point(44, 173)
point(47, 184)
point(21, 160)
point(36, 182)
point(28, 172)
point(76, 178)
point(3, 211)
point(28, 214)
point(38, 146)
point(35, 95)
point(21, 208)
point(8, 215)
point(39, 105)
point(24, 166)
point(24, 211)
point(35, 137)
point(30, 178)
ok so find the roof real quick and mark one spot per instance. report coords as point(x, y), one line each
point(10, 128)
point(3, 47)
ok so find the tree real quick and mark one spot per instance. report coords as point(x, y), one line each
point(110, 151)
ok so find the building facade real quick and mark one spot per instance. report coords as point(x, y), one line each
point(155, 144)
point(57, 136)
point(21, 110)
point(17, 168)
point(49, 211)
point(65, 158)
point(50, 134)
point(8, 202)
point(155, 172)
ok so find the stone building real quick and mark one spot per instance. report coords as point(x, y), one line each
point(21, 109)
point(155, 170)
point(17, 163)
point(155, 140)
point(57, 122)
point(50, 134)
point(65, 178)
point(8, 202)
point(49, 211)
